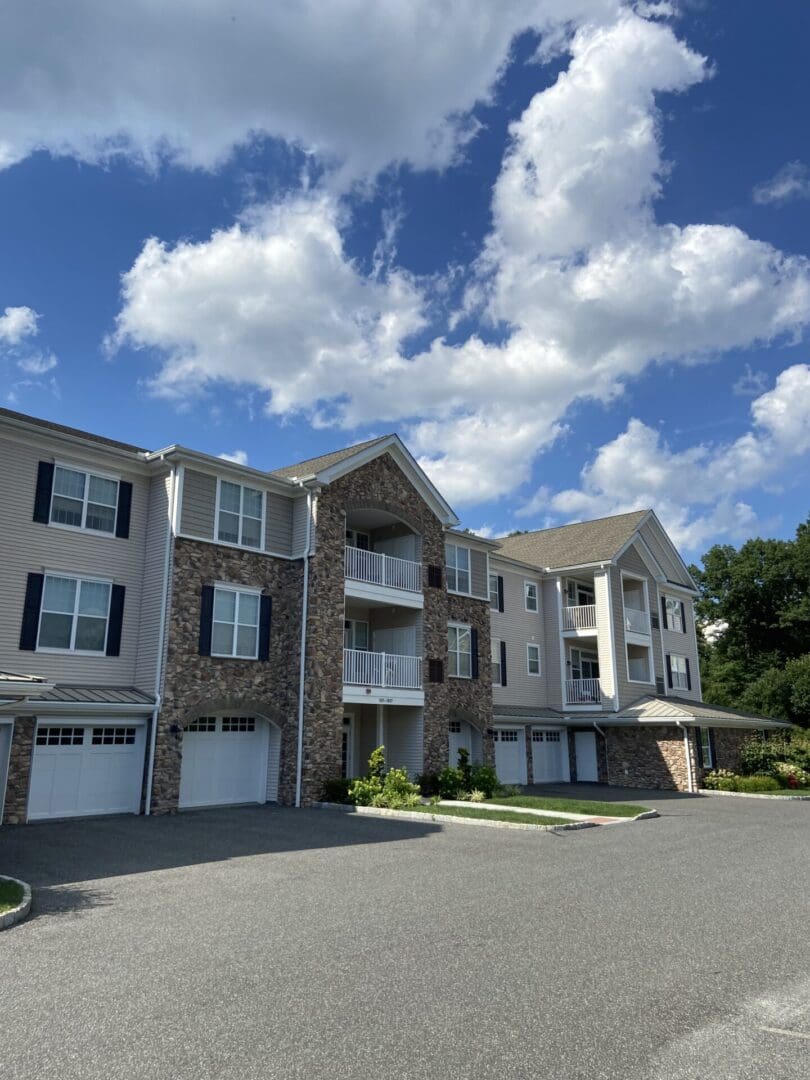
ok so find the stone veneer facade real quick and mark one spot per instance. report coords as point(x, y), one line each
point(19, 771)
point(650, 757)
point(197, 685)
point(381, 485)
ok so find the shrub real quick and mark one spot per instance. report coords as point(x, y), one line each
point(790, 774)
point(451, 782)
point(376, 763)
point(398, 789)
point(336, 790)
point(713, 779)
point(484, 778)
point(464, 767)
point(751, 784)
point(365, 790)
point(507, 791)
point(477, 796)
point(428, 784)
point(392, 789)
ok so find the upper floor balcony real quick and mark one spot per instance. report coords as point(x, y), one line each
point(388, 571)
point(380, 669)
point(636, 621)
point(583, 692)
point(579, 617)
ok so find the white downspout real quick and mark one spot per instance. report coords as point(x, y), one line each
point(302, 672)
point(150, 775)
point(689, 778)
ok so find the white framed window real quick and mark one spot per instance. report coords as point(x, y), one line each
point(674, 610)
point(355, 634)
point(240, 514)
point(235, 629)
point(458, 568)
point(355, 539)
point(680, 672)
point(459, 647)
point(83, 500)
point(530, 596)
point(533, 659)
point(578, 593)
point(74, 614)
point(494, 600)
point(497, 673)
point(706, 747)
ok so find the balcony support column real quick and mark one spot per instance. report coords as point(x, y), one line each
point(380, 725)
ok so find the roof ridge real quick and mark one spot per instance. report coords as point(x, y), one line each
point(574, 524)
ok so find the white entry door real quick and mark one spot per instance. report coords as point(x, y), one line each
point(81, 768)
point(510, 755)
point(224, 761)
point(585, 746)
point(548, 763)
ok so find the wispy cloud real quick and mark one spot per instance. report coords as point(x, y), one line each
point(239, 457)
point(791, 182)
point(750, 383)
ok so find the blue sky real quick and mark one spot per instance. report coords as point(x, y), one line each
point(560, 246)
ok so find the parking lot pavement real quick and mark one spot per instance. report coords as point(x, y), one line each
point(268, 943)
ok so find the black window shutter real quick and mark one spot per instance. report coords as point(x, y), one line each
point(474, 653)
point(665, 624)
point(42, 498)
point(265, 615)
point(500, 593)
point(683, 616)
point(669, 671)
point(206, 619)
point(116, 620)
point(30, 619)
point(503, 663)
point(435, 577)
point(688, 675)
point(699, 746)
point(124, 508)
point(435, 671)
point(711, 748)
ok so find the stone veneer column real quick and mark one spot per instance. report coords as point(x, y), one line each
point(19, 770)
point(651, 757)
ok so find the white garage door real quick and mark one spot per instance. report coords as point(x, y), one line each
point(225, 761)
point(548, 763)
point(510, 755)
point(80, 769)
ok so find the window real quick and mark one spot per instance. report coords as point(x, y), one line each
point(357, 539)
point(458, 568)
point(83, 500)
point(494, 601)
point(497, 675)
point(113, 736)
point(706, 747)
point(674, 615)
point(238, 723)
point(508, 735)
point(454, 727)
point(241, 511)
point(680, 672)
point(236, 623)
point(579, 594)
point(74, 614)
point(530, 595)
point(60, 736)
point(533, 659)
point(459, 645)
point(355, 634)
point(203, 723)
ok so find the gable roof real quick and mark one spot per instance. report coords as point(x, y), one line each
point(315, 465)
point(574, 545)
point(62, 429)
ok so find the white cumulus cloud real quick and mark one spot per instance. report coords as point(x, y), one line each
point(17, 323)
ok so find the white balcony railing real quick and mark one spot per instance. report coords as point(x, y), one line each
point(581, 617)
point(379, 569)
point(362, 668)
point(582, 692)
point(637, 622)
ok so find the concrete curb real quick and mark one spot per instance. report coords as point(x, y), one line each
point(18, 913)
point(563, 815)
point(755, 795)
point(440, 819)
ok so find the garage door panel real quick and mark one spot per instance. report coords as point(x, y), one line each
point(225, 761)
point(510, 755)
point(548, 765)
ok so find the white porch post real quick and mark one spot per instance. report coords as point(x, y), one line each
point(380, 725)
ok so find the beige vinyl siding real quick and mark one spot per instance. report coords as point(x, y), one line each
point(391, 619)
point(682, 645)
point(661, 553)
point(299, 527)
point(278, 524)
point(479, 577)
point(157, 531)
point(199, 504)
point(634, 564)
point(517, 627)
point(29, 547)
point(404, 740)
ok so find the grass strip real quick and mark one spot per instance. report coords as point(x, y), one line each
point(571, 806)
point(11, 895)
point(488, 815)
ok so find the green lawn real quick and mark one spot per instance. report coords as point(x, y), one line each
point(490, 815)
point(572, 806)
point(10, 895)
point(790, 791)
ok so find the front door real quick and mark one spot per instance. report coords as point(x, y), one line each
point(585, 746)
point(510, 755)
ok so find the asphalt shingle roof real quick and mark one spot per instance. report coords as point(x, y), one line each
point(573, 545)
point(49, 425)
point(312, 466)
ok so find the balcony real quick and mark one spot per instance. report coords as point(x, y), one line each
point(583, 692)
point(374, 568)
point(389, 670)
point(581, 617)
point(636, 622)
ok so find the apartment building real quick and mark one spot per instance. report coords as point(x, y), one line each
point(182, 631)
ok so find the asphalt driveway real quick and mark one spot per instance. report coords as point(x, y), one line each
point(268, 943)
